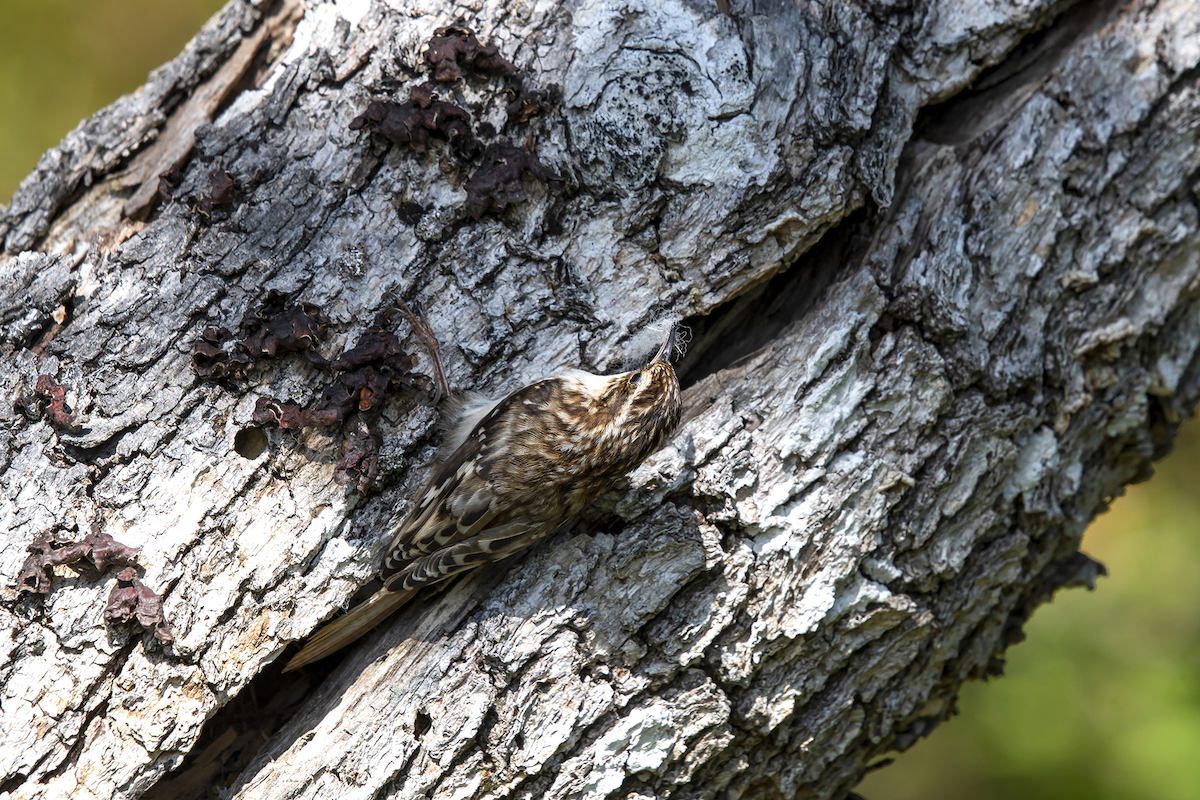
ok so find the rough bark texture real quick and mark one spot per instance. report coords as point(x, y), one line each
point(924, 359)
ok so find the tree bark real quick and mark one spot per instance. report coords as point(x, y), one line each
point(937, 329)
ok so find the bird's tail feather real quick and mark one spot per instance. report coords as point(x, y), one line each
point(344, 630)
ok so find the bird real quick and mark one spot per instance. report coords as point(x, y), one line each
point(517, 468)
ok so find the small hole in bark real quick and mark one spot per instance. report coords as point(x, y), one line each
point(409, 213)
point(250, 442)
point(422, 724)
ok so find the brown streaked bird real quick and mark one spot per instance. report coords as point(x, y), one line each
point(518, 468)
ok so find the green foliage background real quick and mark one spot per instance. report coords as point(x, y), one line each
point(63, 60)
point(1103, 700)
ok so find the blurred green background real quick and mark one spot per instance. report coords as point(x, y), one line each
point(1101, 702)
point(62, 60)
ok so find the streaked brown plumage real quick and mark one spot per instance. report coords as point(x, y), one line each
point(518, 468)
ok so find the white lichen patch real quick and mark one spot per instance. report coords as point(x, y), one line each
point(1039, 456)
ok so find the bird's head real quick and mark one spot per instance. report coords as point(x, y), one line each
point(630, 414)
point(652, 392)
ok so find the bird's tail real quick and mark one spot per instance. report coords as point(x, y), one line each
point(344, 630)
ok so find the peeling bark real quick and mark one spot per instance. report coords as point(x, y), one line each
point(937, 329)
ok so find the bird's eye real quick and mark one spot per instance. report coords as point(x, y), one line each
point(635, 379)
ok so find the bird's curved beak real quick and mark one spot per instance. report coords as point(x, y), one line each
point(668, 347)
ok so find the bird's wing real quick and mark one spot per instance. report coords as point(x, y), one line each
point(453, 528)
point(456, 504)
point(459, 501)
point(491, 544)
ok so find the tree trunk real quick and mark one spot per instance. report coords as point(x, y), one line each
point(930, 345)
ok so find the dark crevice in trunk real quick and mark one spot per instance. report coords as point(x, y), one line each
point(1003, 89)
point(235, 734)
point(740, 328)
